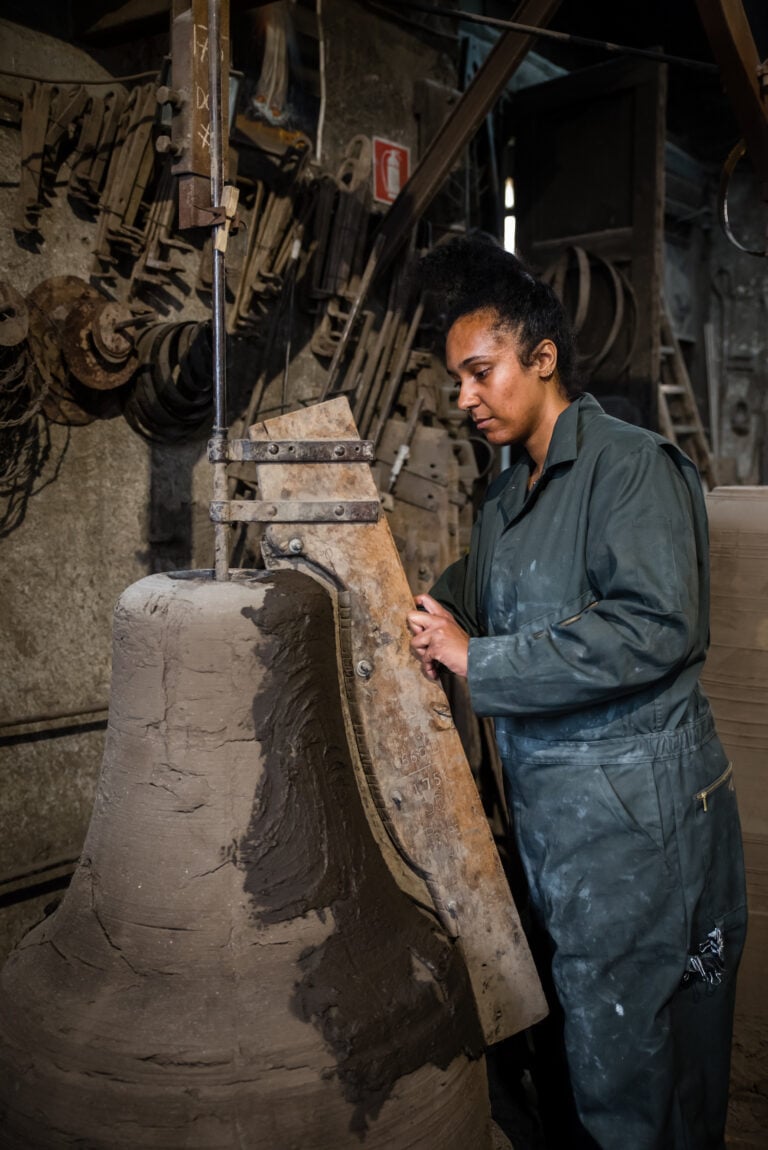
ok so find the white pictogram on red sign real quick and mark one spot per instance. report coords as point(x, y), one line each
point(391, 168)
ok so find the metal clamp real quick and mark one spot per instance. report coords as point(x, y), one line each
point(221, 450)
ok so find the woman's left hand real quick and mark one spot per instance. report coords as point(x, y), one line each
point(437, 638)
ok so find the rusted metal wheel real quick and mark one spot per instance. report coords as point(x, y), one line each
point(58, 295)
point(98, 347)
point(49, 303)
point(60, 404)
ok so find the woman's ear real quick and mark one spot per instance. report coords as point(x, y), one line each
point(545, 359)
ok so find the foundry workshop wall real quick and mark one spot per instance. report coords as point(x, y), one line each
point(97, 503)
point(104, 506)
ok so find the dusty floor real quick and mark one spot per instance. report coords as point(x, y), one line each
point(748, 1111)
point(518, 1125)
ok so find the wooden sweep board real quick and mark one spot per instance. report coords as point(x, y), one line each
point(409, 751)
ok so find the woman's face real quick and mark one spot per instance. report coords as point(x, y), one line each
point(509, 402)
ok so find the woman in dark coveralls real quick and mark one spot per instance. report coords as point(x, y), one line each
point(580, 620)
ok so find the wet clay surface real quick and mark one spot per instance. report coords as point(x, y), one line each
point(381, 972)
point(233, 964)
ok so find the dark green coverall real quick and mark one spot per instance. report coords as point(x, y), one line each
point(587, 600)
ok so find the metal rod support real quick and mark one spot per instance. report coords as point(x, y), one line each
point(221, 530)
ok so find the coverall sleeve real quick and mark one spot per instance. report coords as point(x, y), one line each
point(642, 567)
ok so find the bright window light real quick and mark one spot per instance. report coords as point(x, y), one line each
point(509, 215)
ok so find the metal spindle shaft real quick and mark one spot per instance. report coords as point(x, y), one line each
point(220, 486)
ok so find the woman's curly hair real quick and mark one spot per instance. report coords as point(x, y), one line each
point(473, 273)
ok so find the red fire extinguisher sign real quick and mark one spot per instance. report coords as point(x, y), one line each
point(391, 169)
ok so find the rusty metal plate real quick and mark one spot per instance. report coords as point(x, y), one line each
point(410, 760)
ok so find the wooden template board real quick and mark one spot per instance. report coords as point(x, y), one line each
point(410, 755)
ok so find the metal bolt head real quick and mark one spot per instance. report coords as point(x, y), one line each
point(338, 511)
point(165, 146)
point(338, 451)
point(364, 669)
point(273, 449)
point(167, 95)
point(271, 510)
point(295, 546)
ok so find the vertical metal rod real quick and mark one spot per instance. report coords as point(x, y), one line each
point(220, 487)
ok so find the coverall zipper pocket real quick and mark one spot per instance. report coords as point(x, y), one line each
point(575, 618)
point(704, 794)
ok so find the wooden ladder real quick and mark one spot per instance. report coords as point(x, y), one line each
point(679, 418)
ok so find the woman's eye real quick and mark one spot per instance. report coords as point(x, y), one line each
point(481, 373)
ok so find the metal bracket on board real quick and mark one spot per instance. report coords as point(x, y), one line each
point(289, 451)
point(295, 511)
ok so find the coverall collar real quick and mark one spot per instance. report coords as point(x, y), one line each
point(563, 448)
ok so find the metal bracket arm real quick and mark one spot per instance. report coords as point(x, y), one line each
point(291, 451)
point(295, 511)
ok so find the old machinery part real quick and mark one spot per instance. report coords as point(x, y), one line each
point(61, 404)
point(50, 303)
point(98, 342)
point(56, 296)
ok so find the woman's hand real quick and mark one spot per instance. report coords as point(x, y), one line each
point(437, 638)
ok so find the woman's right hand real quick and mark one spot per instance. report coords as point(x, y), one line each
point(437, 638)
